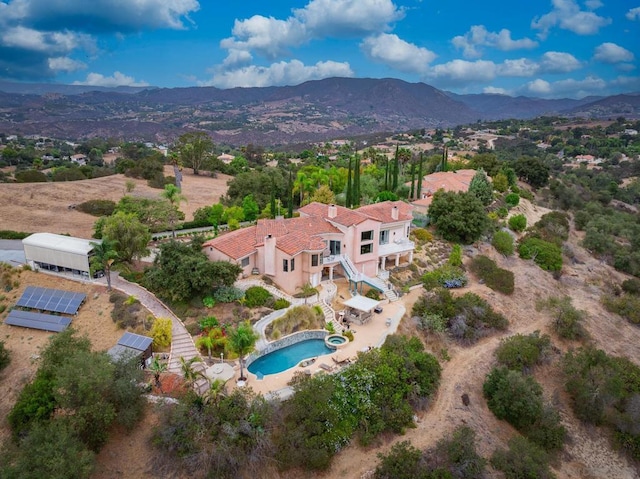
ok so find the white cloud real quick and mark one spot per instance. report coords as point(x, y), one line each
point(34, 40)
point(462, 72)
point(478, 36)
point(117, 79)
point(397, 53)
point(559, 62)
point(278, 74)
point(567, 15)
point(338, 18)
point(633, 14)
point(272, 37)
point(269, 37)
point(101, 15)
point(492, 90)
point(569, 88)
point(593, 4)
point(612, 53)
point(65, 64)
point(522, 67)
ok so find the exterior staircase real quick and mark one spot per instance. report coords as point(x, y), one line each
point(380, 283)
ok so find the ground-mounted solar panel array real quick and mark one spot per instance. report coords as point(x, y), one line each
point(135, 341)
point(45, 322)
point(54, 300)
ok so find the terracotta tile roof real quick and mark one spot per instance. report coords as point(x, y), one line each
point(292, 235)
point(447, 180)
point(344, 216)
point(383, 211)
point(235, 244)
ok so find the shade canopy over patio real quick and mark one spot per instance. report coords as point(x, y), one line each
point(362, 303)
point(222, 371)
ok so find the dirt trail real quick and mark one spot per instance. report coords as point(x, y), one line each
point(587, 454)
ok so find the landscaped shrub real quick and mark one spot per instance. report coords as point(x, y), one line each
point(446, 276)
point(545, 254)
point(502, 241)
point(455, 258)
point(5, 356)
point(97, 207)
point(468, 317)
point(518, 223)
point(161, 333)
point(605, 390)
point(422, 235)
point(567, 320)
point(522, 353)
point(348, 334)
point(625, 305)
point(513, 397)
point(256, 296)
point(127, 311)
point(30, 176)
point(281, 303)
point(208, 302)
point(502, 212)
point(402, 462)
point(512, 200)
point(523, 459)
point(299, 318)
point(15, 235)
point(631, 286)
point(496, 278)
point(227, 294)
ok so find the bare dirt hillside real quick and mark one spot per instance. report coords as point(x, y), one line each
point(587, 454)
point(45, 207)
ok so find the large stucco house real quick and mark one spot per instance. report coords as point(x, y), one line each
point(325, 240)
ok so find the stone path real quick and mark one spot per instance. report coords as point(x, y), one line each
point(182, 344)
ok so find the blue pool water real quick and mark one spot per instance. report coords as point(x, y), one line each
point(288, 357)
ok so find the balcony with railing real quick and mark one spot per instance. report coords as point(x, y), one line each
point(400, 246)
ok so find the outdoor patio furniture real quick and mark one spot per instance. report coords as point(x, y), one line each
point(326, 367)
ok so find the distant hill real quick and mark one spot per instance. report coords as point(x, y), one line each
point(312, 111)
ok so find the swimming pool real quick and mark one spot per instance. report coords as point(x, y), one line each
point(288, 357)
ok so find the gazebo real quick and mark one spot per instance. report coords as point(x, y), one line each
point(359, 309)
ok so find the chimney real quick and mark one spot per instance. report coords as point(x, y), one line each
point(269, 255)
point(333, 211)
point(394, 213)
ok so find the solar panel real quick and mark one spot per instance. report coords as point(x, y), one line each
point(54, 300)
point(45, 322)
point(135, 341)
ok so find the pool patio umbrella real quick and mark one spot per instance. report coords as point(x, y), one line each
point(221, 371)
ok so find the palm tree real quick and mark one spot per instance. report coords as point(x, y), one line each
point(307, 291)
point(189, 372)
point(157, 368)
point(104, 255)
point(172, 194)
point(215, 392)
point(242, 340)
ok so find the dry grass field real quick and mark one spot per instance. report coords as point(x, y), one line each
point(45, 207)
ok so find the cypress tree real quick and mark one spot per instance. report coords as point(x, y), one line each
point(419, 193)
point(273, 198)
point(356, 182)
point(386, 176)
point(413, 180)
point(348, 201)
point(396, 168)
point(291, 193)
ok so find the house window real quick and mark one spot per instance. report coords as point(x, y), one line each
point(285, 265)
point(384, 237)
point(366, 235)
point(366, 248)
point(314, 260)
point(293, 264)
point(245, 262)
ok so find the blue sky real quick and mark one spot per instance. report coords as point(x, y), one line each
point(542, 48)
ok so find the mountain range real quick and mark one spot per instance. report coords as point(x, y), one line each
point(312, 111)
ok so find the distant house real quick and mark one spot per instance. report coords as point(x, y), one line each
point(79, 159)
point(226, 158)
point(325, 240)
point(443, 180)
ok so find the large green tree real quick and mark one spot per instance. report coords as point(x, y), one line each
point(481, 187)
point(181, 272)
point(459, 217)
point(129, 235)
point(195, 150)
point(173, 195)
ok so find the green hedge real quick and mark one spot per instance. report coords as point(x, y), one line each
point(546, 255)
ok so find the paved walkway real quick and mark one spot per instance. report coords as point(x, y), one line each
point(182, 344)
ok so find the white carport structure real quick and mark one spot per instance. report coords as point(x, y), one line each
point(58, 253)
point(360, 308)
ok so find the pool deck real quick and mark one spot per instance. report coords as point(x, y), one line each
point(370, 335)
